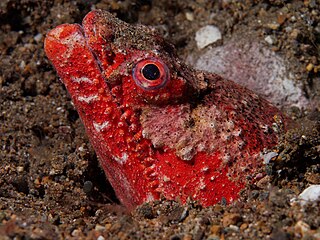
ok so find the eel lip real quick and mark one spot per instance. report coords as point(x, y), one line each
point(64, 32)
point(58, 39)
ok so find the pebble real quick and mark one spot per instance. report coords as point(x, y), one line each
point(215, 230)
point(98, 227)
point(281, 18)
point(189, 16)
point(207, 35)
point(313, 178)
point(38, 37)
point(187, 237)
point(273, 26)
point(76, 233)
point(264, 182)
point(234, 228)
point(269, 39)
point(309, 67)
point(2, 216)
point(20, 169)
point(311, 193)
point(37, 181)
point(301, 228)
point(279, 234)
point(244, 226)
point(213, 237)
point(231, 219)
point(81, 148)
point(268, 156)
point(87, 187)
point(295, 33)
point(22, 64)
point(254, 66)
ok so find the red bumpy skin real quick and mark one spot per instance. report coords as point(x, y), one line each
point(159, 127)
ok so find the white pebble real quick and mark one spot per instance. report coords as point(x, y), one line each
point(207, 35)
point(269, 40)
point(20, 169)
point(38, 37)
point(311, 193)
point(81, 148)
point(189, 16)
point(268, 156)
point(22, 64)
point(98, 227)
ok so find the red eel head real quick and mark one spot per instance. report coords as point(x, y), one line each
point(158, 126)
point(135, 61)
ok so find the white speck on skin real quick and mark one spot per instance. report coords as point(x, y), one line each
point(265, 128)
point(81, 79)
point(244, 102)
point(70, 41)
point(166, 179)
point(88, 99)
point(226, 158)
point(237, 132)
point(230, 125)
point(100, 126)
point(204, 169)
point(75, 37)
point(275, 127)
point(56, 32)
point(185, 153)
point(144, 133)
point(123, 159)
point(149, 198)
point(202, 184)
point(207, 35)
point(241, 144)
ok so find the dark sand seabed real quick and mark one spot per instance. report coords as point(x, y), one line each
point(51, 185)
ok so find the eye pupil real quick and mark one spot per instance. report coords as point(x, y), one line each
point(151, 72)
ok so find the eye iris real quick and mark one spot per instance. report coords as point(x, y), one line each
point(151, 72)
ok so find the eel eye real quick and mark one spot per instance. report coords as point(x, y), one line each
point(150, 74)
